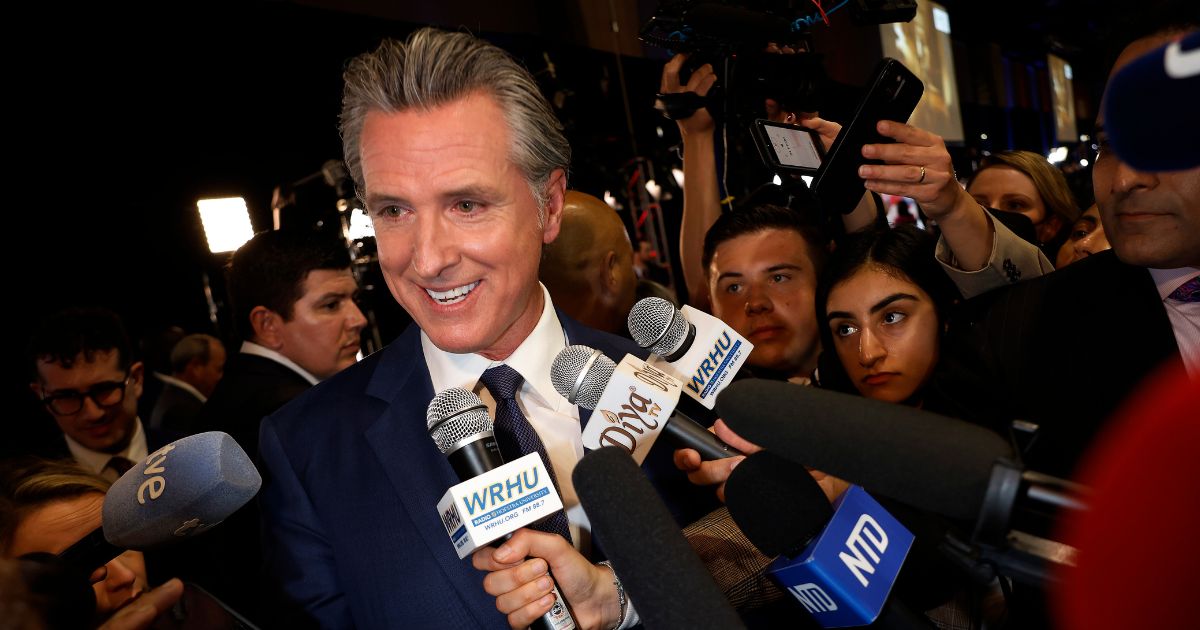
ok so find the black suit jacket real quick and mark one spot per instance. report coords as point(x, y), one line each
point(226, 560)
point(252, 388)
point(1062, 350)
point(175, 412)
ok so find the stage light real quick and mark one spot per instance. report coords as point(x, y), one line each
point(360, 225)
point(226, 223)
point(654, 189)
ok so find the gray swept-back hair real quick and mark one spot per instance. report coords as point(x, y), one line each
point(434, 67)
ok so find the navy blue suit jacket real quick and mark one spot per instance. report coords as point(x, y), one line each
point(351, 484)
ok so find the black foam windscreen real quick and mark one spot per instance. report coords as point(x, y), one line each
point(776, 503)
point(923, 459)
point(658, 569)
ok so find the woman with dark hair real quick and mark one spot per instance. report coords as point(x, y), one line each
point(882, 304)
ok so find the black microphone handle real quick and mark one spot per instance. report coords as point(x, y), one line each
point(91, 552)
point(683, 432)
point(476, 457)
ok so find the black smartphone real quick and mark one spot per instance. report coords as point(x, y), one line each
point(787, 148)
point(197, 609)
point(893, 94)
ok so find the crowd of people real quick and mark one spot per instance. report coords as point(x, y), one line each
point(1009, 304)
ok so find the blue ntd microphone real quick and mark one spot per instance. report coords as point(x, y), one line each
point(1150, 108)
point(838, 561)
point(178, 491)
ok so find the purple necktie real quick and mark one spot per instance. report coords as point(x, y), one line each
point(1188, 292)
point(516, 436)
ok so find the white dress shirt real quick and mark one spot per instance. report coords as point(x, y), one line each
point(554, 418)
point(97, 462)
point(1185, 318)
point(184, 385)
point(249, 347)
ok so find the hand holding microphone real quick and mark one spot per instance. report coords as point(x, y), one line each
point(520, 573)
point(714, 472)
point(459, 424)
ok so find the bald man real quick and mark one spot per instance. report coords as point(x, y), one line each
point(589, 268)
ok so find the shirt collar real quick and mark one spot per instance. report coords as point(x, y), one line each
point(1167, 280)
point(96, 461)
point(184, 385)
point(531, 359)
point(249, 347)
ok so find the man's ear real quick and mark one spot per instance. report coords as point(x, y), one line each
point(137, 373)
point(556, 192)
point(267, 327)
point(611, 260)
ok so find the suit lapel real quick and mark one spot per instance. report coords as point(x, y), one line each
point(417, 471)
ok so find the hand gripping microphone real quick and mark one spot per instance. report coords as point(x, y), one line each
point(700, 350)
point(459, 424)
point(178, 491)
point(634, 401)
point(663, 576)
point(840, 565)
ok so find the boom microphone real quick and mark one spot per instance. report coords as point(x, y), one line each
point(657, 567)
point(923, 459)
point(1149, 122)
point(178, 491)
point(585, 377)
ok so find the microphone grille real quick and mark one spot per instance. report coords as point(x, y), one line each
point(656, 324)
point(453, 415)
point(574, 361)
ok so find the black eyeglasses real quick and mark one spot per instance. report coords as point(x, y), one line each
point(105, 394)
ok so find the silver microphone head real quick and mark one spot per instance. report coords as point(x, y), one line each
point(580, 374)
point(454, 415)
point(656, 324)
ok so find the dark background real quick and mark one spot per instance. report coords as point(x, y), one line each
point(120, 118)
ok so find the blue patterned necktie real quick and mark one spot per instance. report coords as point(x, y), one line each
point(1188, 292)
point(516, 436)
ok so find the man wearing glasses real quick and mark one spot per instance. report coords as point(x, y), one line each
point(84, 374)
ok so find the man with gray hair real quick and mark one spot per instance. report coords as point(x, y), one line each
point(462, 168)
point(197, 364)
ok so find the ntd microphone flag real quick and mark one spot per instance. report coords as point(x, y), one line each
point(498, 502)
point(844, 576)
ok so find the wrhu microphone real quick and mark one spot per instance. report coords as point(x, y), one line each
point(460, 426)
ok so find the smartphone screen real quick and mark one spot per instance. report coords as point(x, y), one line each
point(793, 147)
point(787, 147)
point(893, 94)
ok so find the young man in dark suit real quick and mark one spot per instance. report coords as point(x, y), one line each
point(292, 295)
point(85, 375)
